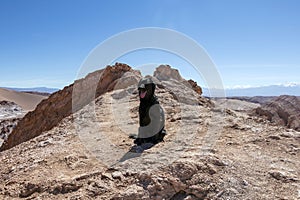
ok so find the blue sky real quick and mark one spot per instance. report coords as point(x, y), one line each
point(252, 42)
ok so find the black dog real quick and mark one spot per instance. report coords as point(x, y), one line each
point(151, 115)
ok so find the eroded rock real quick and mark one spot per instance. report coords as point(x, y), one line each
point(283, 110)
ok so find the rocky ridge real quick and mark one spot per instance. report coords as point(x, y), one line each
point(283, 110)
point(210, 152)
point(59, 105)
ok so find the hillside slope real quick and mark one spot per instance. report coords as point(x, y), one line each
point(61, 104)
point(283, 110)
point(209, 153)
point(27, 101)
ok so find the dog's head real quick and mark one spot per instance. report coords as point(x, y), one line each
point(146, 89)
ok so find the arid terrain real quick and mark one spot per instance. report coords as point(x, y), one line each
point(25, 100)
point(75, 144)
point(11, 112)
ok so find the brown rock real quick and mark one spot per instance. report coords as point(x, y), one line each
point(59, 105)
point(282, 176)
point(283, 110)
point(29, 189)
point(195, 87)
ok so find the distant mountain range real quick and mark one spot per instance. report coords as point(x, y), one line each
point(272, 90)
point(35, 89)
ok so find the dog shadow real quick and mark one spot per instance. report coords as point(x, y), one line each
point(136, 151)
point(129, 155)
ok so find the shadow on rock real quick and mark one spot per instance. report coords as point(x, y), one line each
point(136, 151)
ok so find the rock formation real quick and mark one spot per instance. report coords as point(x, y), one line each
point(283, 110)
point(10, 109)
point(165, 73)
point(59, 105)
point(10, 114)
point(195, 86)
point(7, 126)
point(207, 153)
point(180, 87)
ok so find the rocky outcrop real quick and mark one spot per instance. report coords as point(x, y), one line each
point(195, 87)
point(59, 105)
point(10, 114)
point(165, 73)
point(187, 92)
point(283, 110)
point(7, 126)
point(7, 103)
point(181, 180)
point(10, 110)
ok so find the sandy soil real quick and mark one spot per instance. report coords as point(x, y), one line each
point(27, 101)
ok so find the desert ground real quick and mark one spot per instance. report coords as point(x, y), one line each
point(214, 148)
